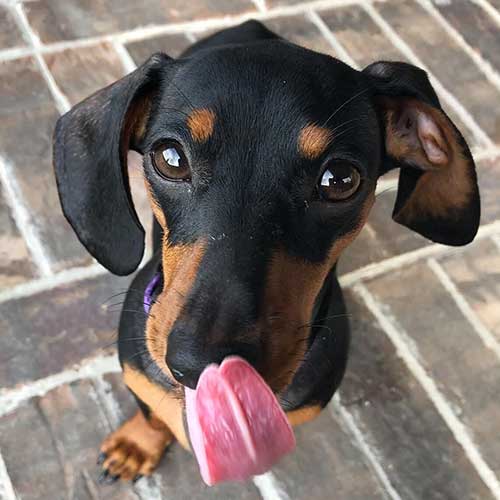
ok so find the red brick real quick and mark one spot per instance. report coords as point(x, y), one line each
point(475, 25)
point(299, 30)
point(50, 445)
point(180, 10)
point(10, 36)
point(27, 111)
point(172, 45)
point(55, 20)
point(467, 372)
point(456, 71)
point(15, 261)
point(365, 43)
point(80, 72)
point(417, 450)
point(359, 35)
point(381, 238)
point(489, 189)
point(49, 332)
point(476, 273)
point(178, 474)
point(327, 460)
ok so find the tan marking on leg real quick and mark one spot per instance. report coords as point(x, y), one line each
point(135, 448)
point(201, 124)
point(303, 415)
point(313, 140)
point(166, 405)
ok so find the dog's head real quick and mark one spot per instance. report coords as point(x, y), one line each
point(261, 163)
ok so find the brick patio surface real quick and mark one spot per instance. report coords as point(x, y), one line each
point(418, 414)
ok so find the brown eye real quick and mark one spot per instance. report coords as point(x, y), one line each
point(339, 182)
point(170, 161)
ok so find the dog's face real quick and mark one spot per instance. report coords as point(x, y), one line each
point(261, 165)
point(258, 186)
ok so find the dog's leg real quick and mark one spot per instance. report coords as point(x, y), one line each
point(138, 445)
point(302, 415)
point(135, 448)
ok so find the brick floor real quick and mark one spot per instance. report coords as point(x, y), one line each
point(417, 416)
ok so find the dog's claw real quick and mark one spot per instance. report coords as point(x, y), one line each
point(136, 478)
point(101, 457)
point(102, 476)
point(112, 479)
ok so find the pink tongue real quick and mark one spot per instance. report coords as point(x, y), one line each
point(236, 425)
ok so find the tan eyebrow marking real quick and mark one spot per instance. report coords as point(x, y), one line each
point(313, 141)
point(201, 124)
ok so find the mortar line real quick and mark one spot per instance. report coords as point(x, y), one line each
point(411, 360)
point(327, 33)
point(7, 491)
point(349, 279)
point(61, 101)
point(10, 399)
point(489, 9)
point(68, 276)
point(15, 53)
point(104, 365)
point(260, 5)
point(446, 95)
point(480, 153)
point(381, 267)
point(484, 334)
point(350, 422)
point(269, 487)
point(496, 240)
point(143, 33)
point(124, 56)
point(24, 222)
point(485, 66)
point(385, 185)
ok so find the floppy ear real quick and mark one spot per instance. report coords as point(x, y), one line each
point(91, 142)
point(437, 193)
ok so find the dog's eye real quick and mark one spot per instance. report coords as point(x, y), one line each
point(170, 161)
point(338, 182)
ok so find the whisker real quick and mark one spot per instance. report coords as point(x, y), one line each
point(190, 104)
point(345, 123)
point(130, 339)
point(332, 316)
point(358, 94)
point(109, 306)
point(123, 292)
point(175, 110)
point(131, 311)
point(326, 327)
point(139, 353)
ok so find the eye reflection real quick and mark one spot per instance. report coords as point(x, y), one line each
point(172, 157)
point(170, 161)
point(339, 182)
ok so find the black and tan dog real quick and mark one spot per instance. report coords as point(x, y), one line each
point(261, 160)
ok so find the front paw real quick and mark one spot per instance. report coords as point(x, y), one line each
point(132, 451)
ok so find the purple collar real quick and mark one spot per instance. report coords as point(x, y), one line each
point(148, 292)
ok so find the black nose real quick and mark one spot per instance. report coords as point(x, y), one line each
point(188, 355)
